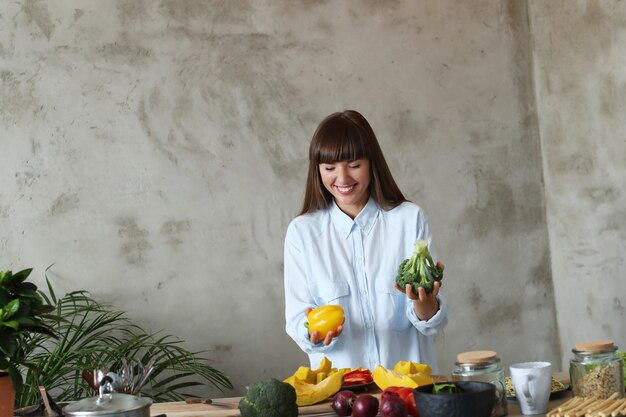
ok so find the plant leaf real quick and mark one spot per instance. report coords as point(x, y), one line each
point(21, 275)
point(10, 309)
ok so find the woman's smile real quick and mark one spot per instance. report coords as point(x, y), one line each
point(345, 190)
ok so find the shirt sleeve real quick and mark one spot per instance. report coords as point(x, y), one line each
point(431, 326)
point(298, 294)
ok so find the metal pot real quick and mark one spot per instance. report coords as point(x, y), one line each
point(109, 404)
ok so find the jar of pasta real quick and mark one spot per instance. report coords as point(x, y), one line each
point(596, 370)
point(483, 366)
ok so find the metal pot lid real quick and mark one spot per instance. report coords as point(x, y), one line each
point(113, 403)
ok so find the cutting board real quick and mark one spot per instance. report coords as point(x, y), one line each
point(223, 407)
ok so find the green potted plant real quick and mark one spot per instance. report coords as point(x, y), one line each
point(95, 335)
point(22, 313)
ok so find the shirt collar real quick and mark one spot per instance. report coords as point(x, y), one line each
point(364, 220)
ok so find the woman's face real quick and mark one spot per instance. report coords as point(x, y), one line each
point(348, 182)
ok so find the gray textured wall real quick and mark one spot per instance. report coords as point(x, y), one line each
point(155, 151)
point(580, 77)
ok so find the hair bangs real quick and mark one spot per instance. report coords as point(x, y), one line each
point(339, 141)
point(348, 136)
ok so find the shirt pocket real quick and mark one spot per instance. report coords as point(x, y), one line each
point(391, 305)
point(331, 291)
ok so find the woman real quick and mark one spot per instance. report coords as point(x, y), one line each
point(344, 248)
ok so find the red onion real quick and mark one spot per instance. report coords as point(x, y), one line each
point(392, 405)
point(365, 405)
point(342, 402)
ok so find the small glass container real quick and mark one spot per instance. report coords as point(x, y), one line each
point(483, 366)
point(596, 370)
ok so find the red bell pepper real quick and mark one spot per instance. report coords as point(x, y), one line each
point(357, 377)
point(407, 395)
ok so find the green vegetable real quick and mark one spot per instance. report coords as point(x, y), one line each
point(444, 389)
point(419, 270)
point(269, 398)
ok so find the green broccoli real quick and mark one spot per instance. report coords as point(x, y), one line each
point(269, 398)
point(419, 270)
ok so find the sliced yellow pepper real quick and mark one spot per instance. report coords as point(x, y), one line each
point(404, 374)
point(314, 386)
point(308, 394)
point(408, 367)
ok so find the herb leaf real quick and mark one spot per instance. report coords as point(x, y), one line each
point(444, 388)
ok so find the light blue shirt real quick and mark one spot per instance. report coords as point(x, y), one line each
point(332, 259)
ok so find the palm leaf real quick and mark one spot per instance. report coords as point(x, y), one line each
point(92, 335)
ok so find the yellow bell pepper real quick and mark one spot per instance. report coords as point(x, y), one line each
point(324, 319)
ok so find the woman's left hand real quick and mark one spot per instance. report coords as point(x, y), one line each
point(425, 305)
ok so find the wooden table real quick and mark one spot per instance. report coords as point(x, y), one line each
point(514, 409)
point(227, 407)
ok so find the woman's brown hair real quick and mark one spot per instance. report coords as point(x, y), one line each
point(347, 136)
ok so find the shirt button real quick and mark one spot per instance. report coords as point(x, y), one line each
point(363, 292)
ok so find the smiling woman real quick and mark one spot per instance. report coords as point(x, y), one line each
point(354, 229)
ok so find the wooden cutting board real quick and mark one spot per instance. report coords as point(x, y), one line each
point(229, 407)
point(223, 407)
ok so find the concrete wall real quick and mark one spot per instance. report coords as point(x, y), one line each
point(580, 78)
point(155, 151)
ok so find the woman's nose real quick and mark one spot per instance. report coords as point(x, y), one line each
point(342, 175)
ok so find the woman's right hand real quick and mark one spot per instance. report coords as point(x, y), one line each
point(315, 336)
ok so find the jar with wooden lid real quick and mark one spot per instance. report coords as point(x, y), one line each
point(596, 370)
point(483, 366)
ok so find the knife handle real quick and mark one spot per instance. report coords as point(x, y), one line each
point(197, 400)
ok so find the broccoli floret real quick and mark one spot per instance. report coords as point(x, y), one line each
point(419, 270)
point(269, 398)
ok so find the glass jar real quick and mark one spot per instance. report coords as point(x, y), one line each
point(596, 370)
point(483, 366)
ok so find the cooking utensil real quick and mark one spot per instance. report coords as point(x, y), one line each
point(109, 404)
point(147, 370)
point(46, 403)
point(127, 377)
point(52, 409)
point(98, 375)
point(90, 379)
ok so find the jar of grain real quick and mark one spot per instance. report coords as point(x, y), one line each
point(596, 370)
point(483, 366)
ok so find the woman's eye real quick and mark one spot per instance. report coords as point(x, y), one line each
point(328, 168)
point(355, 166)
